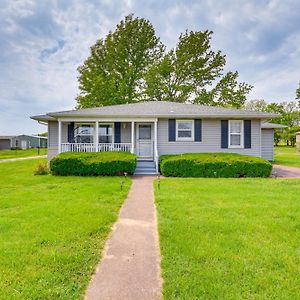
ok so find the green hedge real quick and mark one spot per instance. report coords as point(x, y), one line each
point(214, 165)
point(93, 163)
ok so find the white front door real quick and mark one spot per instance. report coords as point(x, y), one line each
point(144, 140)
point(24, 145)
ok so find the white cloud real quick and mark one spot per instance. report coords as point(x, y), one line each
point(261, 40)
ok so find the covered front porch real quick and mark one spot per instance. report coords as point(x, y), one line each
point(135, 136)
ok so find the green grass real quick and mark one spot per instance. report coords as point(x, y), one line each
point(52, 230)
point(4, 154)
point(287, 156)
point(229, 238)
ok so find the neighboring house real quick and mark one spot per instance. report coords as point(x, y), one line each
point(153, 128)
point(22, 141)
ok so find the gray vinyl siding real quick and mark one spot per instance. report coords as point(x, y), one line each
point(267, 144)
point(211, 139)
point(52, 139)
point(126, 132)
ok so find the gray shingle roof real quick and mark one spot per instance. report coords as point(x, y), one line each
point(160, 109)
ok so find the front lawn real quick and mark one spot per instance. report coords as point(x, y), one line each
point(52, 230)
point(4, 154)
point(229, 238)
point(287, 156)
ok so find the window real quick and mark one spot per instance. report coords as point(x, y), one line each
point(235, 134)
point(105, 133)
point(184, 130)
point(83, 133)
point(145, 132)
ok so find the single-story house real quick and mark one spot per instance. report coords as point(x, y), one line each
point(151, 129)
point(22, 141)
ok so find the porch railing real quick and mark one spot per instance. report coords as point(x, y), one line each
point(92, 147)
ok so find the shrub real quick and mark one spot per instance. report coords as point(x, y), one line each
point(214, 165)
point(41, 169)
point(93, 163)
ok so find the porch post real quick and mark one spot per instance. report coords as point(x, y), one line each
point(132, 137)
point(155, 137)
point(96, 136)
point(59, 136)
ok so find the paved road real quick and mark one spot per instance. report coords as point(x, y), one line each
point(285, 171)
point(130, 267)
point(22, 158)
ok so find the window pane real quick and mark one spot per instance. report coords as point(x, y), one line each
point(105, 139)
point(84, 139)
point(84, 129)
point(145, 132)
point(184, 133)
point(105, 130)
point(235, 126)
point(185, 125)
point(235, 140)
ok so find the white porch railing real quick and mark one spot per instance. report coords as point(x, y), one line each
point(91, 147)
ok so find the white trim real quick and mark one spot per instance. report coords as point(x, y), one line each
point(59, 136)
point(241, 134)
point(96, 135)
point(185, 139)
point(109, 120)
point(132, 136)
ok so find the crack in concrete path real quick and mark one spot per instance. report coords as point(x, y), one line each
point(130, 266)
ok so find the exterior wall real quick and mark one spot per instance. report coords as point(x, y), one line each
point(5, 144)
point(211, 139)
point(52, 139)
point(126, 132)
point(267, 144)
point(31, 141)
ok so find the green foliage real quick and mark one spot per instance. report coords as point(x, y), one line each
point(41, 169)
point(187, 72)
point(214, 165)
point(289, 115)
point(131, 65)
point(114, 71)
point(93, 164)
point(298, 94)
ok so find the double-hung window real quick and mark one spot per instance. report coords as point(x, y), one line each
point(184, 130)
point(83, 133)
point(105, 133)
point(236, 134)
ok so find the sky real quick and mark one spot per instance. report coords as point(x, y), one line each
point(43, 42)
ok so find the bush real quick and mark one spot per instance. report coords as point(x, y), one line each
point(41, 169)
point(214, 165)
point(93, 163)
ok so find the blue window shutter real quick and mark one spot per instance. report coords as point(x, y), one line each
point(71, 132)
point(198, 130)
point(247, 134)
point(172, 130)
point(117, 132)
point(224, 134)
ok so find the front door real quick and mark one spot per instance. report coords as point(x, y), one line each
point(144, 140)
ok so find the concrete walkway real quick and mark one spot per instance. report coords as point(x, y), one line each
point(285, 171)
point(130, 267)
point(22, 158)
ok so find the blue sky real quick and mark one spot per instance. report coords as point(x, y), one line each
point(43, 42)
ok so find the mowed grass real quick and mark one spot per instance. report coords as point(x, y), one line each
point(52, 230)
point(287, 156)
point(4, 154)
point(229, 238)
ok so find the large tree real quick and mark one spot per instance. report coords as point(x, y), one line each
point(193, 72)
point(298, 94)
point(131, 65)
point(288, 114)
point(113, 73)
